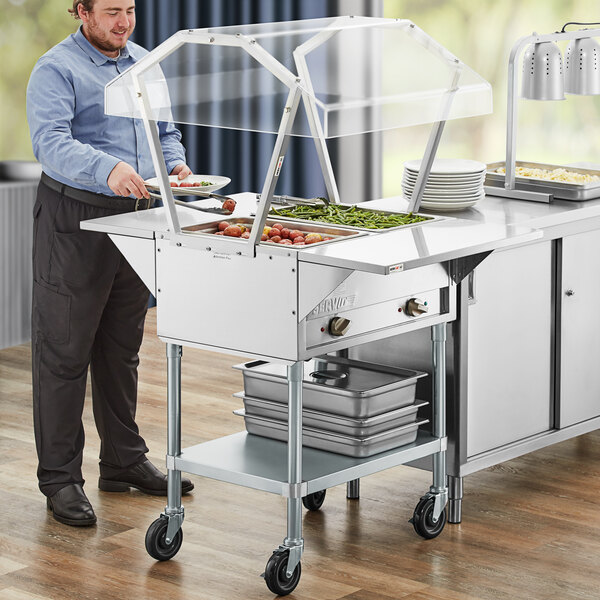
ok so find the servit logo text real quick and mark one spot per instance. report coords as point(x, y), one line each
point(332, 305)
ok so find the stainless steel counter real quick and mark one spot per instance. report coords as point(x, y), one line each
point(522, 373)
point(384, 252)
point(493, 210)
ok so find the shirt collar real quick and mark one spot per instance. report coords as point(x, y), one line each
point(94, 53)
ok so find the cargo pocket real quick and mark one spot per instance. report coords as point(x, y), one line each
point(77, 257)
point(51, 313)
point(36, 211)
point(36, 208)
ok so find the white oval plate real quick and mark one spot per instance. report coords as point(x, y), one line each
point(448, 189)
point(442, 196)
point(475, 191)
point(448, 166)
point(447, 186)
point(216, 183)
point(448, 206)
point(431, 180)
point(446, 179)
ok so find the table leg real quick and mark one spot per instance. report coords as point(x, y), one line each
point(174, 509)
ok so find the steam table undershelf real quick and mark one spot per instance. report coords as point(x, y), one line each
point(261, 463)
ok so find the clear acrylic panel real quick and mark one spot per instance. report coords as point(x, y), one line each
point(361, 74)
point(201, 84)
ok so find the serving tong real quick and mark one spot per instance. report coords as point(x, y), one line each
point(285, 200)
point(206, 209)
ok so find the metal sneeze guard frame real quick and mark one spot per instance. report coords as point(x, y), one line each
point(300, 87)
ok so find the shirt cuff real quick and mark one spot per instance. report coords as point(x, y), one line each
point(104, 170)
point(171, 164)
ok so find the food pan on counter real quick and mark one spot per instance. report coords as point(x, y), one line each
point(352, 216)
point(257, 407)
point(357, 447)
point(336, 385)
point(331, 232)
point(564, 190)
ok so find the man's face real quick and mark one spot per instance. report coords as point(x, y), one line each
point(109, 24)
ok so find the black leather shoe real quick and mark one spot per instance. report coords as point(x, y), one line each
point(70, 506)
point(144, 477)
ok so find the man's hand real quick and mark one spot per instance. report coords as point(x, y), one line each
point(124, 181)
point(182, 171)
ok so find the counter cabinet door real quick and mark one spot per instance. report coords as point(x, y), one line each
point(510, 348)
point(579, 349)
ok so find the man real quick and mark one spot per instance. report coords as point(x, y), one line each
point(88, 303)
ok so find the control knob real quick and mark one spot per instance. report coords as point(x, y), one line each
point(415, 307)
point(338, 325)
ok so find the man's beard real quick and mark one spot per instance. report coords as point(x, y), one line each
point(101, 41)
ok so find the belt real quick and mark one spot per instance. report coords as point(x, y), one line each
point(98, 200)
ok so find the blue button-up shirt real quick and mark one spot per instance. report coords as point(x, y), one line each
point(75, 142)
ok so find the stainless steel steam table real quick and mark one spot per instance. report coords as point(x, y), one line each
point(365, 280)
point(347, 75)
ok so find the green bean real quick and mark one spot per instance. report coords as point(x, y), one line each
point(352, 215)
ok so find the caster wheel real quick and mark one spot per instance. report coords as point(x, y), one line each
point(156, 546)
point(423, 519)
point(314, 501)
point(275, 577)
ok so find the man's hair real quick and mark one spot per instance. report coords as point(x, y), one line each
point(87, 5)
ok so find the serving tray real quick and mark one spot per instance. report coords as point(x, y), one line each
point(424, 218)
point(333, 232)
point(344, 387)
point(559, 189)
point(365, 427)
point(358, 447)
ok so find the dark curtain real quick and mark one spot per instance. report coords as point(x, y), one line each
point(242, 156)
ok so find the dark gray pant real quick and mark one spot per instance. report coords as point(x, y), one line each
point(89, 307)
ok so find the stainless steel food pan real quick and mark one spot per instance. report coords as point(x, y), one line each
point(358, 447)
point(559, 189)
point(257, 407)
point(301, 222)
point(336, 385)
point(327, 230)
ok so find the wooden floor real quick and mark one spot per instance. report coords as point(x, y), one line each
point(531, 527)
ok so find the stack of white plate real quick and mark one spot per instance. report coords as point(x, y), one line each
point(453, 184)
